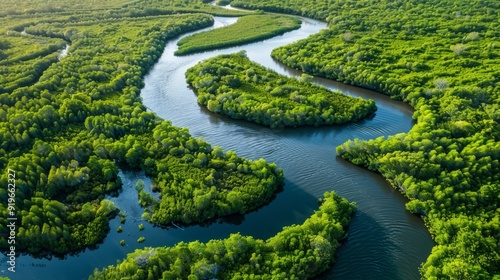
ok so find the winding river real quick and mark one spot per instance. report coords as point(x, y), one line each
point(384, 240)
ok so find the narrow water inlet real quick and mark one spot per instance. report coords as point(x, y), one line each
point(64, 52)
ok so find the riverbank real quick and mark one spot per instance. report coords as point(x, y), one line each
point(379, 237)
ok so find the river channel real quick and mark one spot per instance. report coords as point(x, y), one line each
point(384, 240)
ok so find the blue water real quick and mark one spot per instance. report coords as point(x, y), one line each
point(385, 241)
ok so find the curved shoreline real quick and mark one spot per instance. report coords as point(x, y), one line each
point(258, 142)
point(179, 104)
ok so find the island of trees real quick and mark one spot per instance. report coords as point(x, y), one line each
point(442, 58)
point(247, 29)
point(297, 252)
point(198, 182)
point(233, 85)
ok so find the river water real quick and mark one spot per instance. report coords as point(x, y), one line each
point(384, 240)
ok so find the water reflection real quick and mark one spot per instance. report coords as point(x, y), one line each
point(385, 241)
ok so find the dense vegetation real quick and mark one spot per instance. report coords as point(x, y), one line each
point(442, 58)
point(247, 29)
point(198, 182)
point(297, 252)
point(237, 87)
point(67, 126)
point(92, 9)
point(24, 58)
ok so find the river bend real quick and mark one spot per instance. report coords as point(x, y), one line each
point(384, 240)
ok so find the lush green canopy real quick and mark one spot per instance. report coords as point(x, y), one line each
point(68, 123)
point(297, 252)
point(237, 87)
point(442, 58)
point(247, 29)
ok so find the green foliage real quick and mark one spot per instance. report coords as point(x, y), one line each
point(297, 252)
point(119, 229)
point(146, 216)
point(122, 217)
point(49, 225)
point(67, 123)
point(111, 8)
point(247, 29)
point(234, 86)
point(199, 182)
point(442, 58)
point(223, 2)
point(141, 227)
point(12, 7)
point(139, 186)
point(24, 58)
point(122, 242)
point(141, 239)
point(155, 7)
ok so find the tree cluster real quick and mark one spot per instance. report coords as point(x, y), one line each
point(442, 58)
point(197, 182)
point(233, 85)
point(67, 130)
point(297, 252)
point(247, 29)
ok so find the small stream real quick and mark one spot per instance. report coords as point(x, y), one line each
point(64, 52)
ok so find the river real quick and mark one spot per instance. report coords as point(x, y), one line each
point(384, 240)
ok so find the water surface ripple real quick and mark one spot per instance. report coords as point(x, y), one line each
point(384, 240)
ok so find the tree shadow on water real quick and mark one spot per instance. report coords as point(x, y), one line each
point(367, 253)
